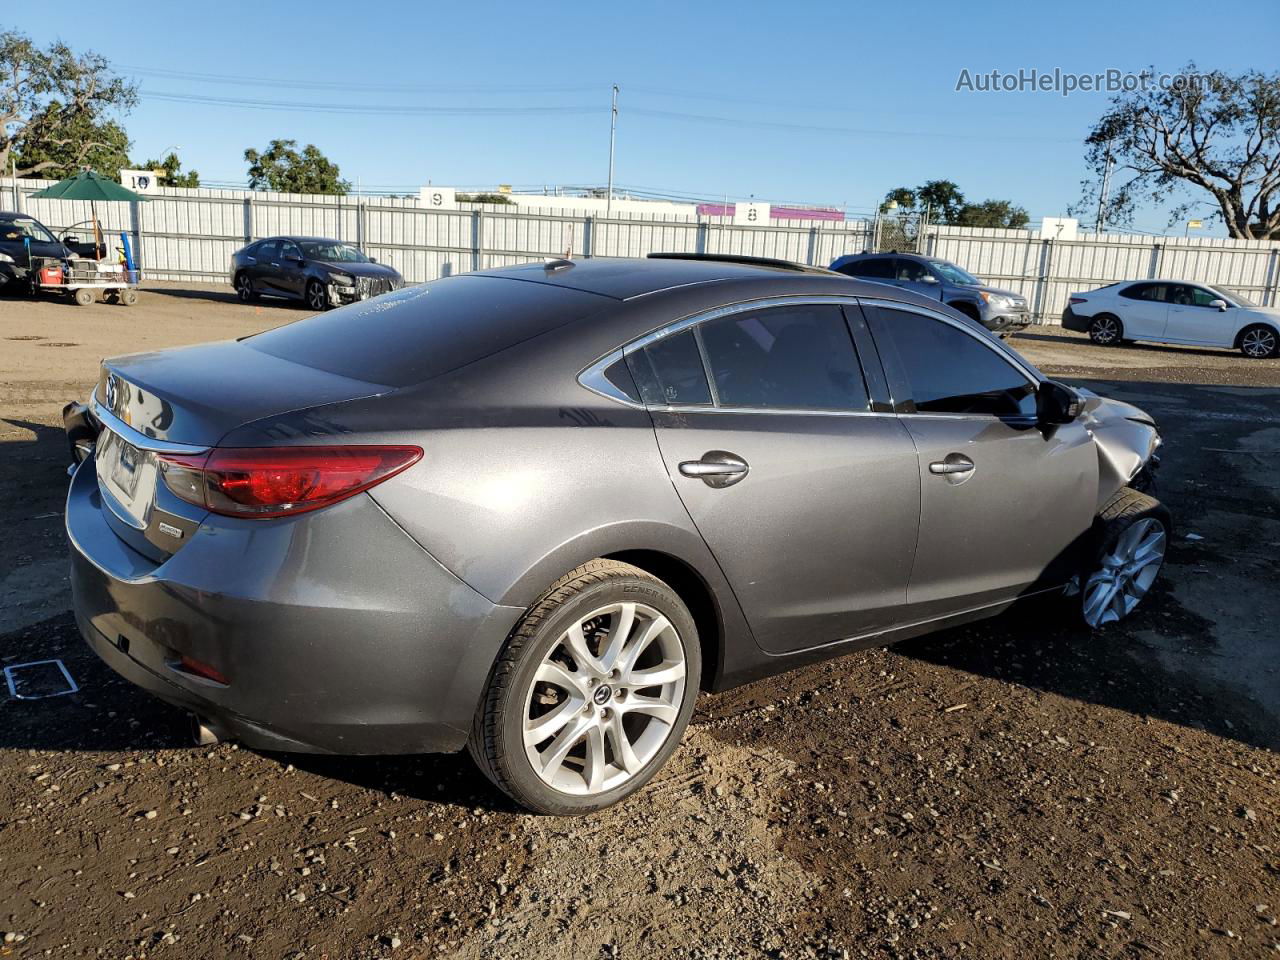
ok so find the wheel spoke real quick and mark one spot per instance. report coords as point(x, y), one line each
point(623, 753)
point(666, 672)
point(566, 739)
point(650, 632)
point(619, 632)
point(654, 707)
point(576, 641)
point(548, 724)
point(555, 674)
point(594, 767)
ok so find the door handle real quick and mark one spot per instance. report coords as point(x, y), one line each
point(717, 468)
point(955, 467)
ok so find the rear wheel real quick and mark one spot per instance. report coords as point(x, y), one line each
point(1259, 342)
point(1106, 330)
point(1135, 532)
point(592, 692)
point(244, 288)
point(84, 296)
point(128, 296)
point(317, 295)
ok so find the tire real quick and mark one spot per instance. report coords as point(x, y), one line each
point(128, 296)
point(1133, 536)
point(317, 296)
point(1106, 330)
point(531, 690)
point(84, 296)
point(244, 288)
point(1259, 342)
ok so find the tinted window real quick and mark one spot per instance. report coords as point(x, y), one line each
point(669, 371)
point(786, 357)
point(618, 375)
point(290, 249)
point(875, 268)
point(1146, 291)
point(267, 250)
point(420, 332)
point(949, 371)
point(910, 270)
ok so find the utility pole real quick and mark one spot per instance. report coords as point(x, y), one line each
point(1102, 193)
point(613, 131)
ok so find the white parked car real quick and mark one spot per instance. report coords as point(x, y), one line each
point(1175, 311)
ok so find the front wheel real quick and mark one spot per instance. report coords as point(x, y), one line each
point(244, 288)
point(1134, 535)
point(317, 296)
point(592, 692)
point(1106, 330)
point(1259, 342)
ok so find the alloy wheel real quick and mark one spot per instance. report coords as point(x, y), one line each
point(1258, 342)
point(605, 699)
point(244, 288)
point(1126, 573)
point(316, 297)
point(1104, 330)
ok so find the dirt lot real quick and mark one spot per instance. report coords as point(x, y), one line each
point(1014, 789)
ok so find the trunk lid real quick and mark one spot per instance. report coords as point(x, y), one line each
point(183, 401)
point(195, 395)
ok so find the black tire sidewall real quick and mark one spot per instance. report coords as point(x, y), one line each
point(1275, 350)
point(315, 285)
point(1109, 534)
point(1119, 337)
point(529, 787)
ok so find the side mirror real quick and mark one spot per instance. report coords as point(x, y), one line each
point(1220, 304)
point(373, 259)
point(297, 260)
point(928, 278)
point(1056, 403)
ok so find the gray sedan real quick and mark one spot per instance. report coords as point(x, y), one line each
point(533, 511)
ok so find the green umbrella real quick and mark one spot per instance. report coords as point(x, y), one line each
point(87, 185)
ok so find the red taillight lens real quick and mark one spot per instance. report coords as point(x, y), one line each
point(280, 481)
point(1077, 300)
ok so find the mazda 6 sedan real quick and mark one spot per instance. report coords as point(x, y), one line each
point(533, 511)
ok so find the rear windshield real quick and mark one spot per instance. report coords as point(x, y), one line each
point(420, 332)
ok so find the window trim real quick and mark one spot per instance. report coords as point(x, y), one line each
point(592, 377)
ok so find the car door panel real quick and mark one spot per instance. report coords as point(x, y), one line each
point(290, 272)
point(1192, 320)
point(1144, 319)
point(1005, 502)
point(817, 539)
point(1017, 522)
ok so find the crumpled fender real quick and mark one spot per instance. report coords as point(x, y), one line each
point(1124, 436)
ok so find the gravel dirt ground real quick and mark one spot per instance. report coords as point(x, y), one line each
point(1019, 788)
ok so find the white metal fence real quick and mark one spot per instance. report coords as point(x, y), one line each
point(184, 234)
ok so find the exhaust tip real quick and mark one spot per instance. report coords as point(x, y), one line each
point(203, 734)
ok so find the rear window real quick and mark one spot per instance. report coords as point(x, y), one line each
point(420, 332)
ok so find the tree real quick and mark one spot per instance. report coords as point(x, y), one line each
point(1214, 132)
point(54, 100)
point(992, 213)
point(284, 169)
point(173, 175)
point(61, 142)
point(500, 198)
point(947, 206)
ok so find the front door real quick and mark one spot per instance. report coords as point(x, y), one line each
point(1193, 319)
point(915, 276)
point(293, 278)
point(1005, 504)
point(808, 500)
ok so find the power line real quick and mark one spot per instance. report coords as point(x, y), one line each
point(365, 109)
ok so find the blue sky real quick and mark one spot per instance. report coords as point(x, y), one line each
point(867, 89)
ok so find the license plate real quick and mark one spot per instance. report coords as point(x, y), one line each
point(128, 475)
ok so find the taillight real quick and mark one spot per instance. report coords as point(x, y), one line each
point(281, 481)
point(1078, 300)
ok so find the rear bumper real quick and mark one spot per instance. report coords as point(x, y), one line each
point(336, 631)
point(1073, 321)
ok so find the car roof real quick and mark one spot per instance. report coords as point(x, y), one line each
point(298, 239)
point(628, 278)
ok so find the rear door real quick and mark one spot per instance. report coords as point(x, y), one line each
point(1144, 310)
point(807, 496)
point(1004, 503)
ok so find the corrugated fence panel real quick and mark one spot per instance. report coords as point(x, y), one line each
point(190, 234)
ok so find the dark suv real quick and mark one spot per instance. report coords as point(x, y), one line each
point(1000, 311)
point(22, 239)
